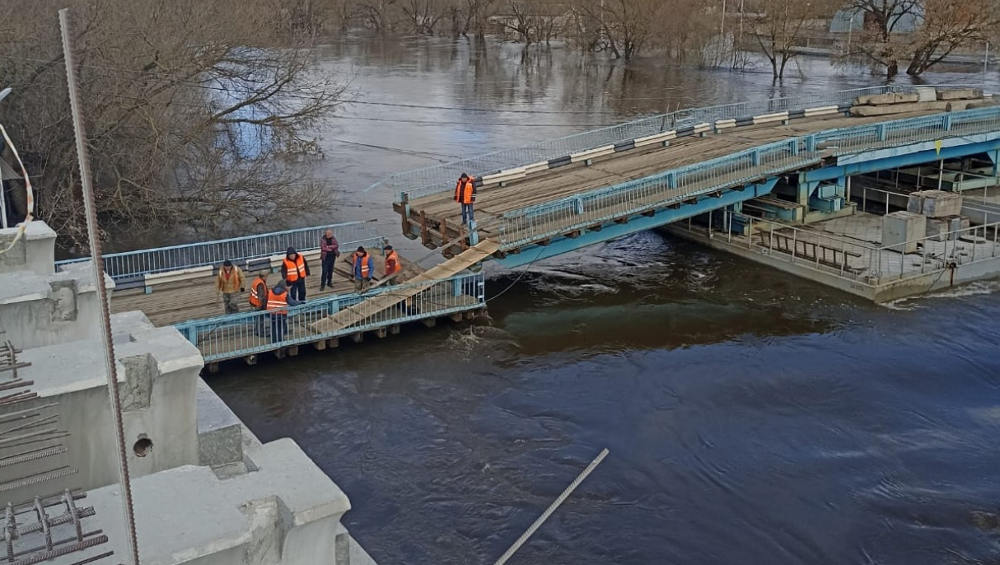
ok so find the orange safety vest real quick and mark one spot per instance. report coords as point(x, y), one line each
point(277, 303)
point(464, 191)
point(255, 292)
point(392, 265)
point(295, 270)
point(365, 273)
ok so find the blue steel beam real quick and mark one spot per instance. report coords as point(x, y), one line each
point(611, 230)
point(903, 159)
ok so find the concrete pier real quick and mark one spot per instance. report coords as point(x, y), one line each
point(206, 491)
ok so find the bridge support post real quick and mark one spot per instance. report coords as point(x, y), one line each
point(473, 233)
point(578, 206)
point(811, 144)
point(333, 307)
point(456, 287)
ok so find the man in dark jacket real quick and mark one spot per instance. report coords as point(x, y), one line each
point(294, 271)
point(329, 250)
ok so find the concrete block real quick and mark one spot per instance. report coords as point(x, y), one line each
point(939, 204)
point(948, 228)
point(891, 98)
point(959, 94)
point(901, 230)
point(886, 109)
point(220, 432)
point(926, 93)
point(915, 203)
point(33, 252)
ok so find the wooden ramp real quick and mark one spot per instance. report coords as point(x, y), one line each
point(370, 308)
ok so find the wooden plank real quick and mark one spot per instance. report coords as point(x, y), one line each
point(367, 308)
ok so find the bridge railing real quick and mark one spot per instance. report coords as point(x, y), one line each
point(441, 178)
point(240, 250)
point(239, 335)
point(525, 225)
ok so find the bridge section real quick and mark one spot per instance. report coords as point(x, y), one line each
point(541, 210)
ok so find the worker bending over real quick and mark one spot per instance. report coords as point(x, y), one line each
point(278, 302)
point(294, 270)
point(364, 268)
point(258, 300)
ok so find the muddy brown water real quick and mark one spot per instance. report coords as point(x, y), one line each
point(752, 417)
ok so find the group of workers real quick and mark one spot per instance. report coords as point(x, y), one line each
point(291, 287)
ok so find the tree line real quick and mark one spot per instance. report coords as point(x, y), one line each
point(196, 111)
point(713, 32)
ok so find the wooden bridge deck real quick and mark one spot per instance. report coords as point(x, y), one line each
point(438, 217)
point(196, 298)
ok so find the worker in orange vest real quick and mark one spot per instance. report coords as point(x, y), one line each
point(258, 300)
point(392, 265)
point(278, 301)
point(364, 268)
point(465, 195)
point(294, 270)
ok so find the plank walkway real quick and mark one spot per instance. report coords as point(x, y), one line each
point(441, 215)
point(371, 308)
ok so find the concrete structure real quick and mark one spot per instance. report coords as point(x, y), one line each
point(206, 490)
point(902, 230)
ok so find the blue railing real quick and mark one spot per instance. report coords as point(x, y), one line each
point(239, 335)
point(441, 178)
point(549, 219)
point(240, 250)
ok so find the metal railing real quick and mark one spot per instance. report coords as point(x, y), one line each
point(538, 222)
point(441, 178)
point(239, 335)
point(141, 262)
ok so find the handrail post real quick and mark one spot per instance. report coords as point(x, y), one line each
point(795, 246)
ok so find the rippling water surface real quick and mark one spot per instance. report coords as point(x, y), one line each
point(752, 417)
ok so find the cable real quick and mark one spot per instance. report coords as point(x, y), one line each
point(29, 195)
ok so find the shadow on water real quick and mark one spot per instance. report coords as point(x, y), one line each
point(751, 417)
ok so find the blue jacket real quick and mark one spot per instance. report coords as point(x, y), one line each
point(371, 267)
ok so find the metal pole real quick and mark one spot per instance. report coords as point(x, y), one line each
point(102, 291)
point(552, 508)
point(986, 61)
point(940, 174)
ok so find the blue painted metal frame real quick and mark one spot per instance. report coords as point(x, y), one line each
point(901, 160)
point(659, 218)
point(192, 329)
point(959, 133)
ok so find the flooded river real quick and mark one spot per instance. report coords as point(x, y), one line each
point(752, 417)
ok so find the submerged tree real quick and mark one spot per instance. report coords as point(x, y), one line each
point(946, 25)
point(779, 25)
point(189, 107)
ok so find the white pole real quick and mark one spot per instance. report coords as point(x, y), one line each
point(3, 201)
point(552, 508)
point(986, 61)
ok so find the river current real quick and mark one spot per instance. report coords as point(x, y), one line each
point(751, 416)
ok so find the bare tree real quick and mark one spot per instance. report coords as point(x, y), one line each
point(947, 25)
point(778, 27)
point(882, 20)
point(190, 109)
point(423, 15)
